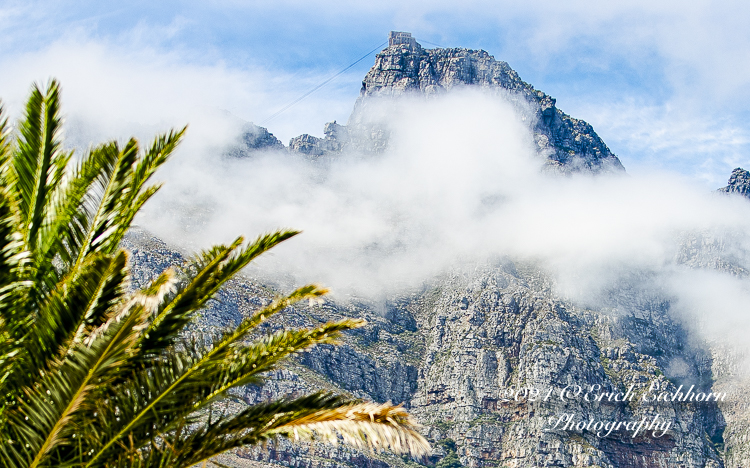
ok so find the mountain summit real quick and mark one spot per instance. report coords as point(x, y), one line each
point(739, 182)
point(405, 67)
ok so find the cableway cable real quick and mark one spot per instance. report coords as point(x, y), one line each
point(268, 119)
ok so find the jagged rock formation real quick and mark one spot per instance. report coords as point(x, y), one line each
point(739, 182)
point(314, 147)
point(570, 144)
point(253, 138)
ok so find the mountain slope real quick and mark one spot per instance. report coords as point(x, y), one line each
point(450, 350)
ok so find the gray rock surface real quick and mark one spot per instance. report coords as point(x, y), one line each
point(450, 351)
point(336, 138)
point(739, 183)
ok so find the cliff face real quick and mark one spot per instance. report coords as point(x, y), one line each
point(451, 350)
point(569, 144)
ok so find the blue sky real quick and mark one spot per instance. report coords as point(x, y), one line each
point(664, 83)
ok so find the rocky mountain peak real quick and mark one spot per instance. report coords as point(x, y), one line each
point(404, 67)
point(253, 138)
point(739, 182)
point(570, 145)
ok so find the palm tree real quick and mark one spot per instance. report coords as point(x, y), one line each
point(92, 375)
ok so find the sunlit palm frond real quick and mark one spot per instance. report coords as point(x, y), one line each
point(206, 274)
point(317, 417)
point(363, 425)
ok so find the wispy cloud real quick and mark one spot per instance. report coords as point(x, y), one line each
point(118, 89)
point(671, 136)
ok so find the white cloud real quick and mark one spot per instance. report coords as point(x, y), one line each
point(123, 88)
point(460, 183)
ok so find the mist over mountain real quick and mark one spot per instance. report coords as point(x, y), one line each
point(492, 242)
point(406, 69)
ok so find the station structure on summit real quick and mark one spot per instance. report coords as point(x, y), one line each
point(399, 37)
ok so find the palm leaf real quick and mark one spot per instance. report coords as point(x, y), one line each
point(44, 419)
point(207, 273)
point(77, 202)
point(363, 425)
point(5, 145)
point(320, 416)
point(241, 364)
point(94, 376)
point(39, 164)
point(164, 398)
point(137, 195)
point(81, 300)
point(102, 224)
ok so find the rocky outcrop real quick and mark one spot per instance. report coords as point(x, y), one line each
point(501, 327)
point(253, 138)
point(314, 147)
point(739, 183)
point(569, 144)
point(336, 138)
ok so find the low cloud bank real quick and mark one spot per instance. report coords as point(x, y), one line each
point(461, 182)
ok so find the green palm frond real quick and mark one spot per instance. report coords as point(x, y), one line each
point(46, 415)
point(95, 375)
point(78, 201)
point(5, 143)
point(318, 417)
point(185, 381)
point(38, 164)
point(103, 222)
point(206, 274)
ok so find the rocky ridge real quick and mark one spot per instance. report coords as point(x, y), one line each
point(568, 144)
point(739, 183)
point(253, 138)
